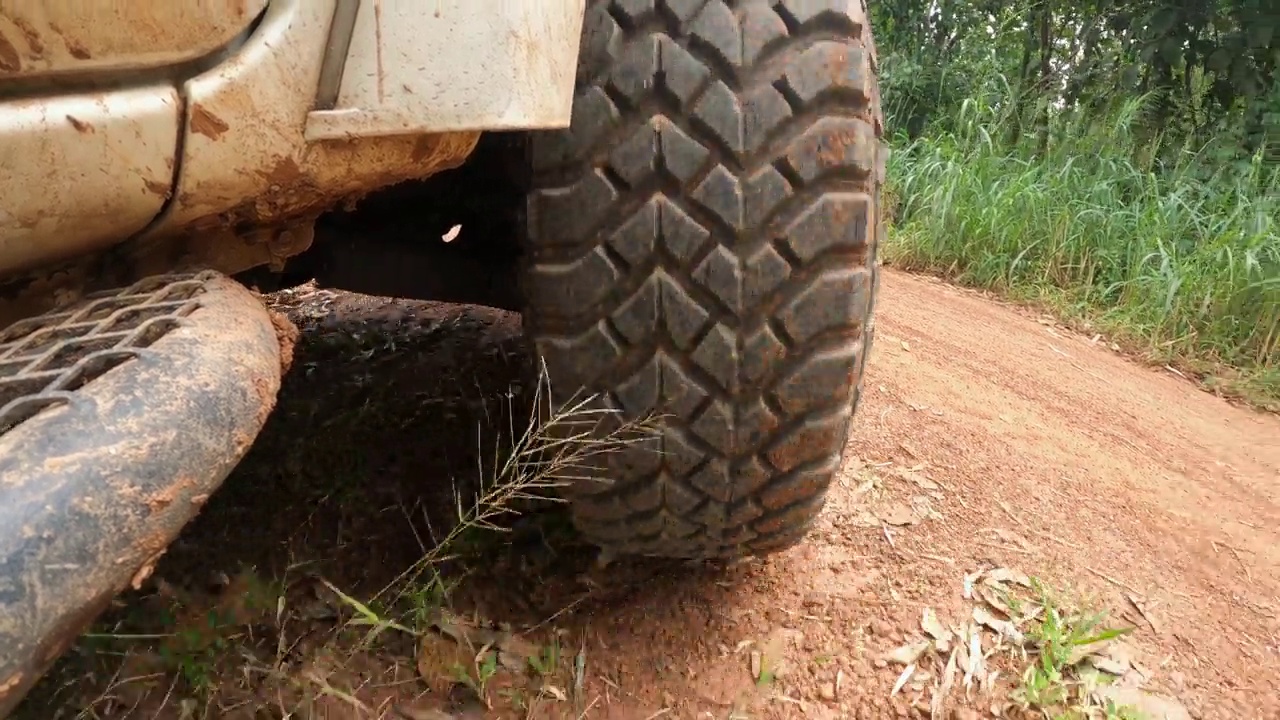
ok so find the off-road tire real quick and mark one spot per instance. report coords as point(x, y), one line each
point(701, 244)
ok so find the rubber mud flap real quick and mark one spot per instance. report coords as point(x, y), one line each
point(118, 417)
point(701, 244)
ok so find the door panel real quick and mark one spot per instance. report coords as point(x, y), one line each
point(69, 37)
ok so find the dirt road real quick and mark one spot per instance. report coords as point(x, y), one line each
point(987, 438)
point(1050, 454)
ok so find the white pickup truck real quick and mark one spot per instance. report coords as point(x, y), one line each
point(696, 184)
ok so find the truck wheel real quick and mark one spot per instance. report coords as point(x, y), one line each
point(701, 246)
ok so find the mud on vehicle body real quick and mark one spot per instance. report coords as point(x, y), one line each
point(686, 216)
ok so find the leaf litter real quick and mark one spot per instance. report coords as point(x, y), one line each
point(1007, 614)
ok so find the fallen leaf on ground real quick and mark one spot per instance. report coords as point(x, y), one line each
point(936, 708)
point(1000, 627)
point(553, 691)
point(899, 515)
point(934, 629)
point(1080, 652)
point(1005, 575)
point(971, 656)
point(1144, 610)
point(1114, 658)
point(908, 654)
point(902, 679)
point(993, 597)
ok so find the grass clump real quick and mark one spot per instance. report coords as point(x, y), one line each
point(1178, 260)
point(1067, 644)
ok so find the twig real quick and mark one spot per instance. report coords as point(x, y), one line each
point(938, 558)
point(1113, 581)
point(567, 608)
point(1010, 548)
point(1137, 604)
point(1235, 553)
point(888, 536)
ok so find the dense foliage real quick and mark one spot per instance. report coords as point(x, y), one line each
point(1118, 158)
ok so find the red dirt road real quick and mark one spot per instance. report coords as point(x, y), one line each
point(987, 438)
point(1046, 453)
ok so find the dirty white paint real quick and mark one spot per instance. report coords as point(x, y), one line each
point(47, 37)
point(424, 77)
point(417, 66)
point(82, 170)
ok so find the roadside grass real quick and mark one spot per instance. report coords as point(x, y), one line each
point(1178, 263)
point(300, 645)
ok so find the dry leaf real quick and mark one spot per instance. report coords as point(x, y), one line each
point(987, 684)
point(934, 629)
point(974, 667)
point(1108, 665)
point(554, 692)
point(1080, 652)
point(991, 596)
point(1115, 658)
point(936, 708)
point(898, 514)
point(1144, 610)
point(902, 679)
point(1003, 628)
point(1005, 575)
point(908, 654)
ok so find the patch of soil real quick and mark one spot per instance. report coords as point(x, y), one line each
point(985, 439)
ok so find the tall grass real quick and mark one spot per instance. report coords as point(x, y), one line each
point(1182, 259)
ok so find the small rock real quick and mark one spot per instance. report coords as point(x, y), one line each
point(881, 662)
point(827, 691)
point(1178, 679)
point(965, 714)
point(881, 627)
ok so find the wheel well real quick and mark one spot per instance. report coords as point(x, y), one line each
point(401, 241)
